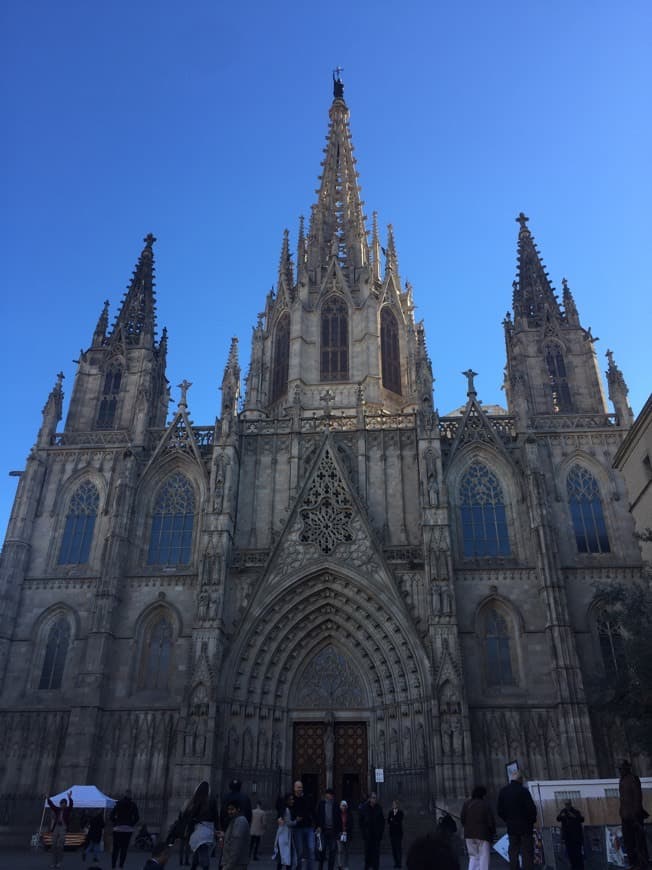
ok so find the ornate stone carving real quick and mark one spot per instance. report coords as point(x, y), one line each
point(329, 681)
point(327, 508)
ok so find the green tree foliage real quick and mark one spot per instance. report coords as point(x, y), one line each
point(628, 689)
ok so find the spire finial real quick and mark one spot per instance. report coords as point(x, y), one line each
point(149, 239)
point(184, 386)
point(338, 84)
point(522, 219)
point(469, 374)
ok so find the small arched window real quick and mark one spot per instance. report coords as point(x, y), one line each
point(557, 379)
point(334, 340)
point(80, 523)
point(482, 508)
point(389, 351)
point(498, 651)
point(612, 644)
point(586, 511)
point(281, 359)
point(109, 400)
point(56, 651)
point(170, 541)
point(157, 654)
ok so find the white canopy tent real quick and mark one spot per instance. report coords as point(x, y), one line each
point(85, 797)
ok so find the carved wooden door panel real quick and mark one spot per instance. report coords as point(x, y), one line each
point(350, 761)
point(309, 762)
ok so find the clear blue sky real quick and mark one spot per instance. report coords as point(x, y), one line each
point(203, 122)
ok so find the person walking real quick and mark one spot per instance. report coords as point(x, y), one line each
point(235, 853)
point(236, 794)
point(124, 817)
point(344, 839)
point(571, 820)
point(283, 843)
point(632, 816)
point(479, 828)
point(93, 836)
point(329, 827)
point(303, 833)
point(516, 808)
point(59, 827)
point(372, 825)
point(257, 828)
point(395, 828)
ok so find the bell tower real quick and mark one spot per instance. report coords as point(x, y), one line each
point(338, 329)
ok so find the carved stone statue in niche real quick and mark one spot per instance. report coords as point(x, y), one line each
point(202, 604)
point(439, 553)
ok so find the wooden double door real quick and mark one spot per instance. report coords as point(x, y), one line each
point(332, 755)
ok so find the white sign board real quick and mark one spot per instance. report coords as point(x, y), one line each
point(380, 774)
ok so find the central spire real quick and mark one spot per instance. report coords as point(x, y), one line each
point(337, 227)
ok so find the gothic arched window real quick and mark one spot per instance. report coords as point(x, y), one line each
point(56, 650)
point(80, 522)
point(498, 649)
point(389, 351)
point(281, 359)
point(612, 644)
point(586, 511)
point(557, 379)
point(482, 507)
point(174, 513)
point(334, 340)
point(157, 654)
point(109, 401)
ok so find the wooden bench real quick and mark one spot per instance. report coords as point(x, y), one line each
point(72, 841)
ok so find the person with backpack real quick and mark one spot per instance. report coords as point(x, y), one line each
point(124, 817)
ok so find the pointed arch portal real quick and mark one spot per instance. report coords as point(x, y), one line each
point(329, 670)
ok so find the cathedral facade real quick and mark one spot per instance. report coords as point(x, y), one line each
point(332, 580)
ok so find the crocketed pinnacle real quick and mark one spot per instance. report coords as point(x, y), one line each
point(533, 293)
point(99, 336)
point(337, 225)
point(285, 269)
point(136, 319)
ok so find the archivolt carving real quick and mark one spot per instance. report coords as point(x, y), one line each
point(307, 617)
point(329, 681)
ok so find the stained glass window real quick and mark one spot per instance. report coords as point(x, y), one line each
point(281, 361)
point(497, 647)
point(558, 382)
point(334, 340)
point(482, 507)
point(174, 513)
point(56, 650)
point(158, 651)
point(80, 522)
point(389, 351)
point(586, 511)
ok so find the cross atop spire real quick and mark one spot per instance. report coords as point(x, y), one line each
point(338, 84)
point(471, 391)
point(522, 220)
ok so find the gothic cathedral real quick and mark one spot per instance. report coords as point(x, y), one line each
point(332, 579)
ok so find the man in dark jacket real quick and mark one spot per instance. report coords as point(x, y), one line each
point(303, 834)
point(632, 816)
point(571, 820)
point(372, 825)
point(329, 827)
point(516, 808)
point(124, 816)
point(479, 828)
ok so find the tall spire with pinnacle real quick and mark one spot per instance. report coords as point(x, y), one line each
point(285, 269)
point(618, 392)
point(136, 319)
point(533, 293)
point(337, 226)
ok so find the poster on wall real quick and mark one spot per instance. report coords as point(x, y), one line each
point(510, 769)
point(615, 850)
